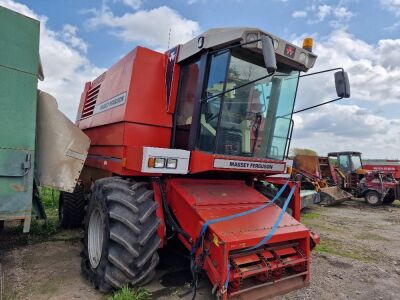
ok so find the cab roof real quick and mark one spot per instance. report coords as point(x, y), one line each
point(217, 38)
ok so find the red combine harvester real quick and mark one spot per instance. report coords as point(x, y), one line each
point(178, 142)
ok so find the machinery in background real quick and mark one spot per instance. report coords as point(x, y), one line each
point(39, 146)
point(314, 174)
point(347, 171)
point(179, 141)
point(341, 175)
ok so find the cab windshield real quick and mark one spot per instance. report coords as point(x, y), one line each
point(251, 120)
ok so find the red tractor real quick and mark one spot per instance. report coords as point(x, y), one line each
point(347, 171)
point(179, 140)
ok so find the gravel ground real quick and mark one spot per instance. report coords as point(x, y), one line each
point(359, 258)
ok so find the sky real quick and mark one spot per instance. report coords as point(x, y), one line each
point(81, 39)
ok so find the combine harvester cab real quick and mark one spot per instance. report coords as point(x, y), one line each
point(178, 143)
point(39, 146)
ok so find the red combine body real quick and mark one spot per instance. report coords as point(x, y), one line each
point(178, 142)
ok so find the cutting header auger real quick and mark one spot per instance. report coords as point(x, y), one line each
point(178, 142)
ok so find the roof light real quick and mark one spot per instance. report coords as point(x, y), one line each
point(303, 58)
point(252, 36)
point(308, 44)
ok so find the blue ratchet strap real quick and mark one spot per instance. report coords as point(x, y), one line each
point(209, 222)
point(276, 225)
point(227, 276)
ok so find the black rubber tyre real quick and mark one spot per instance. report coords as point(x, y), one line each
point(373, 198)
point(71, 208)
point(389, 198)
point(128, 234)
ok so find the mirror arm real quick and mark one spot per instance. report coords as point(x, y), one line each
point(314, 106)
point(324, 71)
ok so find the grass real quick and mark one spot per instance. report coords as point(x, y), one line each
point(396, 203)
point(127, 293)
point(310, 216)
point(336, 247)
point(50, 226)
point(371, 237)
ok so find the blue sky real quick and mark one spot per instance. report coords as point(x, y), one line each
point(370, 20)
point(80, 39)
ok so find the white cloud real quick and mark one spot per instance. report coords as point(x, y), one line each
point(299, 14)
point(66, 67)
point(135, 4)
point(393, 27)
point(323, 11)
point(337, 15)
point(69, 36)
point(149, 26)
point(391, 5)
point(361, 123)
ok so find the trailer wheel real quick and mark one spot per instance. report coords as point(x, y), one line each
point(71, 208)
point(373, 198)
point(120, 241)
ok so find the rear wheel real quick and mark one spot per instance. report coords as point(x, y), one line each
point(71, 208)
point(121, 241)
point(373, 198)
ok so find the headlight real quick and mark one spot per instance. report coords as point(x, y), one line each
point(172, 163)
point(161, 162)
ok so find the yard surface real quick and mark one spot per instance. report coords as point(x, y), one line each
point(358, 258)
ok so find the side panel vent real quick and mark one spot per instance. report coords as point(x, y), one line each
point(90, 102)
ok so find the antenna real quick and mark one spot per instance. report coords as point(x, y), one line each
point(169, 37)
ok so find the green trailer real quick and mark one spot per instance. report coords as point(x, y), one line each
point(38, 144)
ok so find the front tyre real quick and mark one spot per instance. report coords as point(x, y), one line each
point(121, 241)
point(373, 198)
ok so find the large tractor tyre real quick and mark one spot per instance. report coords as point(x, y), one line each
point(71, 208)
point(373, 198)
point(120, 241)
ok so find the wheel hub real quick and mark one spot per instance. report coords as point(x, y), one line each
point(95, 237)
point(373, 199)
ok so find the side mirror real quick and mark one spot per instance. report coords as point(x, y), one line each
point(268, 53)
point(342, 84)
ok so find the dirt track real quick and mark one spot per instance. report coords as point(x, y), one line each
point(359, 258)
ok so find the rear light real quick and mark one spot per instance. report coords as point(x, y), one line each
point(172, 163)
